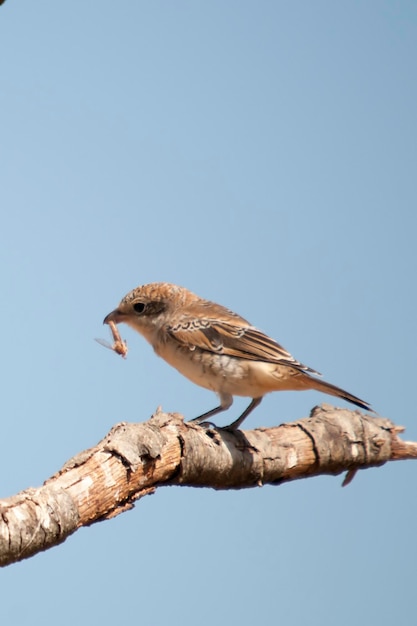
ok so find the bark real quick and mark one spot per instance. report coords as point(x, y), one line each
point(134, 459)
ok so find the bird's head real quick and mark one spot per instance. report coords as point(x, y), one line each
point(147, 308)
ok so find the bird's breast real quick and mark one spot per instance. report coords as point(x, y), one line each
point(219, 372)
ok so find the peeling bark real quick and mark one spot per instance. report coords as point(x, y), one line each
point(134, 459)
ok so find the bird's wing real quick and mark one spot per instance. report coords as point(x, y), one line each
point(232, 337)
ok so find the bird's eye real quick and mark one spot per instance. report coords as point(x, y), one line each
point(139, 307)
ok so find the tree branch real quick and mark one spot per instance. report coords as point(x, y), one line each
point(134, 459)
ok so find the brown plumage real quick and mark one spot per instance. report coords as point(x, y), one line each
point(216, 348)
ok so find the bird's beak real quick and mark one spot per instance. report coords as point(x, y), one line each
point(115, 316)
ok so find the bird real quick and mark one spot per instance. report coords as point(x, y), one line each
point(216, 348)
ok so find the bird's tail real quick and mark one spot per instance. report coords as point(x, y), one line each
point(321, 385)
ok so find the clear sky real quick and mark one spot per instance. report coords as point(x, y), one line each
point(264, 155)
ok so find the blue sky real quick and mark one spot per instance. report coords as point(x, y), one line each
point(264, 156)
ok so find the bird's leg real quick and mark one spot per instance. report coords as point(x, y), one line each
point(226, 401)
point(235, 425)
